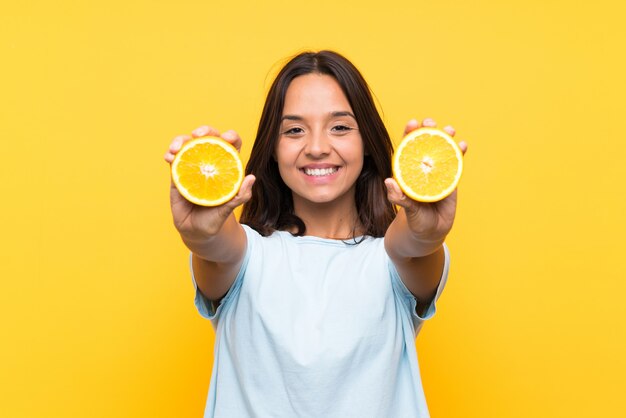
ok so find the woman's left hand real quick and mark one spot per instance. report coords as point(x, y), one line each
point(429, 222)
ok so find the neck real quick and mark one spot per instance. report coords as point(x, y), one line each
point(330, 220)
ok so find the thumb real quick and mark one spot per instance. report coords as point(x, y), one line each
point(395, 193)
point(245, 192)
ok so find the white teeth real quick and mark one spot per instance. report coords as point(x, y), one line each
point(320, 171)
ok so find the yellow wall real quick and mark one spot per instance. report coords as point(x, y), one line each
point(95, 299)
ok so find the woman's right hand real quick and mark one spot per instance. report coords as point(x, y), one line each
point(197, 223)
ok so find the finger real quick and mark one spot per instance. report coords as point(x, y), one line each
point(177, 199)
point(429, 122)
point(245, 192)
point(175, 146)
point(205, 130)
point(178, 142)
point(233, 138)
point(411, 125)
point(395, 194)
point(449, 130)
point(463, 146)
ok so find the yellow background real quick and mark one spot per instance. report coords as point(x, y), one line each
point(96, 300)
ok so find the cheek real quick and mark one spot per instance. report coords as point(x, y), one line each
point(359, 157)
point(285, 162)
point(276, 151)
point(279, 157)
point(354, 152)
point(286, 154)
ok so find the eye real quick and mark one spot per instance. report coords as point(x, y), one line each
point(342, 129)
point(293, 131)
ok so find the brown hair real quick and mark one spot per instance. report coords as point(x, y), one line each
point(271, 205)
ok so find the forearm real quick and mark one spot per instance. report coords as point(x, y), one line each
point(225, 246)
point(216, 260)
point(419, 259)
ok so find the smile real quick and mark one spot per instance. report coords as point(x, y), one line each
point(318, 172)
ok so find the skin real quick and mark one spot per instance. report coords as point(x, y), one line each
point(213, 235)
point(318, 132)
point(414, 240)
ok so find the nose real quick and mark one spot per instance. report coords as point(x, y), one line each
point(317, 145)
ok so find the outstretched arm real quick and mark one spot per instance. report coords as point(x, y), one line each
point(216, 239)
point(414, 240)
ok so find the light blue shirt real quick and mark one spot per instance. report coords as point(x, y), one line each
point(316, 328)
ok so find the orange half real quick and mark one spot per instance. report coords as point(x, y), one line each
point(427, 165)
point(207, 171)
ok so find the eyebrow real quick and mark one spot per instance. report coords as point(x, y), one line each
point(336, 114)
point(344, 113)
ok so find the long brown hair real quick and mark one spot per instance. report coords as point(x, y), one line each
point(271, 205)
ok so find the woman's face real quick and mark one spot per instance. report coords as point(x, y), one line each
point(319, 150)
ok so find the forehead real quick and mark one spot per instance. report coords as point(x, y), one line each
point(315, 93)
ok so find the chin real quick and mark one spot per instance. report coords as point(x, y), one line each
point(319, 199)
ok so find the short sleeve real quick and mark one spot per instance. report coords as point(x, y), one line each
point(410, 301)
point(205, 307)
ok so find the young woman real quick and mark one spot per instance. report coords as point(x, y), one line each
point(318, 293)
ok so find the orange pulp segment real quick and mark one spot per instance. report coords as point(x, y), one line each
point(427, 165)
point(207, 171)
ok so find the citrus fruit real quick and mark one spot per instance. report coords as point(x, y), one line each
point(427, 165)
point(207, 171)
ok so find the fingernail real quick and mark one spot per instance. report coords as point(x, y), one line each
point(428, 122)
point(201, 131)
point(176, 144)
